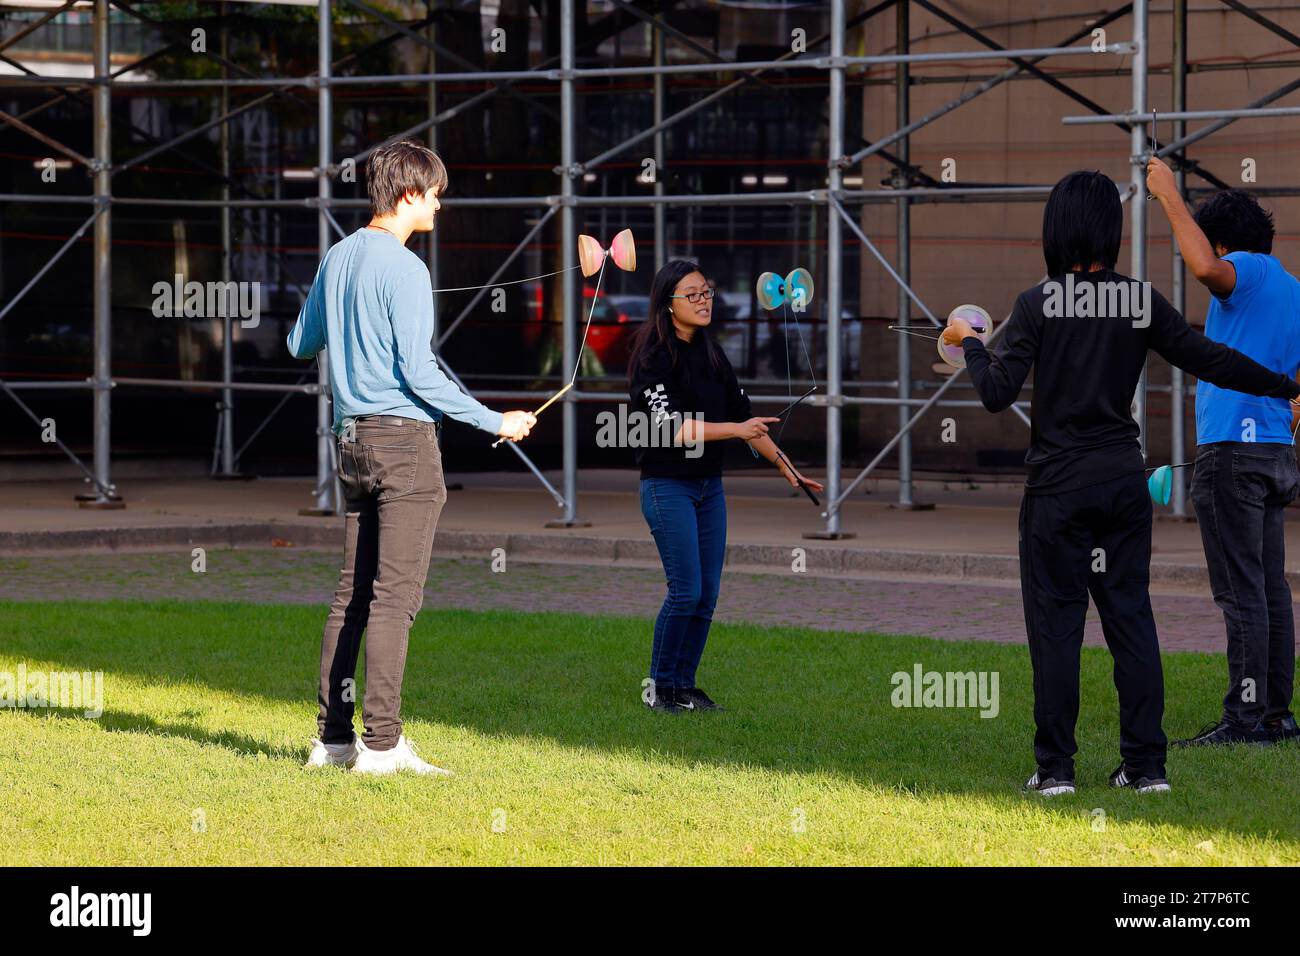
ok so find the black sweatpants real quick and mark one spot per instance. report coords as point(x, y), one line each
point(1060, 535)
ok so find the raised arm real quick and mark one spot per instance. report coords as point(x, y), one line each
point(1217, 275)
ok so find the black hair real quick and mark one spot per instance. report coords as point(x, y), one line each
point(657, 330)
point(1082, 223)
point(1234, 219)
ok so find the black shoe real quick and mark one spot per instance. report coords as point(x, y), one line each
point(1283, 729)
point(1047, 786)
point(1212, 735)
point(696, 699)
point(1122, 779)
point(665, 701)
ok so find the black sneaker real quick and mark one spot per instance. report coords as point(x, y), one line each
point(692, 698)
point(1123, 779)
point(665, 702)
point(1283, 729)
point(1047, 786)
point(1212, 735)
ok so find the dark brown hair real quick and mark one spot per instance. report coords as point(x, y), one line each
point(403, 166)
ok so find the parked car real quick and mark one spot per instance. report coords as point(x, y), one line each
point(756, 343)
point(612, 322)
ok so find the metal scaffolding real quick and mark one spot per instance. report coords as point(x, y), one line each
point(907, 187)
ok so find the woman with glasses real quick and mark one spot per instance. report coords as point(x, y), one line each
point(686, 391)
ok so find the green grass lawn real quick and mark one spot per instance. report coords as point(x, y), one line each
point(209, 709)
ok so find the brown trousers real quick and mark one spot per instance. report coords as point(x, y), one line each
point(392, 479)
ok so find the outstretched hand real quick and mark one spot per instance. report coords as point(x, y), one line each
point(795, 478)
point(957, 330)
point(753, 428)
point(516, 425)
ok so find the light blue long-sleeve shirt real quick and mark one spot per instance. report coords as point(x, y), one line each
point(371, 307)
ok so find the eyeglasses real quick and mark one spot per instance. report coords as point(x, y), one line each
point(694, 298)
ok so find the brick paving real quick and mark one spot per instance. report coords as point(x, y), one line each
point(959, 611)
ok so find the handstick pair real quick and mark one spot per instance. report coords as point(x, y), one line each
point(591, 259)
point(1154, 144)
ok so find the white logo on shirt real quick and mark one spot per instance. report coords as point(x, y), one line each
point(657, 399)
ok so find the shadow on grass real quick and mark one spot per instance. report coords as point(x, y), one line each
point(798, 701)
point(133, 723)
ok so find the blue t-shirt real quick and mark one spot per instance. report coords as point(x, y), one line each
point(1260, 317)
point(371, 308)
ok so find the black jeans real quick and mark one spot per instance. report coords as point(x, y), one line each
point(1062, 538)
point(1239, 491)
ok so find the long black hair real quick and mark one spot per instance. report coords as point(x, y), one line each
point(657, 330)
point(1082, 223)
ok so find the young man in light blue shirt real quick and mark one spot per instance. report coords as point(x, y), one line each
point(371, 308)
point(1246, 472)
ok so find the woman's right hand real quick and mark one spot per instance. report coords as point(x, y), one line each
point(753, 428)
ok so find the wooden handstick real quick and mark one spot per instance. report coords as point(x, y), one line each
point(543, 407)
point(547, 404)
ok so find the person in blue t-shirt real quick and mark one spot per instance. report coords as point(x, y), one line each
point(1245, 472)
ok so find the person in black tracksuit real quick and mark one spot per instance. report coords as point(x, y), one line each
point(1085, 518)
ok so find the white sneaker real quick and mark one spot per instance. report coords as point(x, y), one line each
point(401, 757)
point(1047, 786)
point(333, 755)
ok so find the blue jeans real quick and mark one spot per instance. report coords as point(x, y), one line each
point(688, 518)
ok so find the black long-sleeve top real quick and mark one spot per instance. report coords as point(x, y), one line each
point(1085, 373)
point(663, 394)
